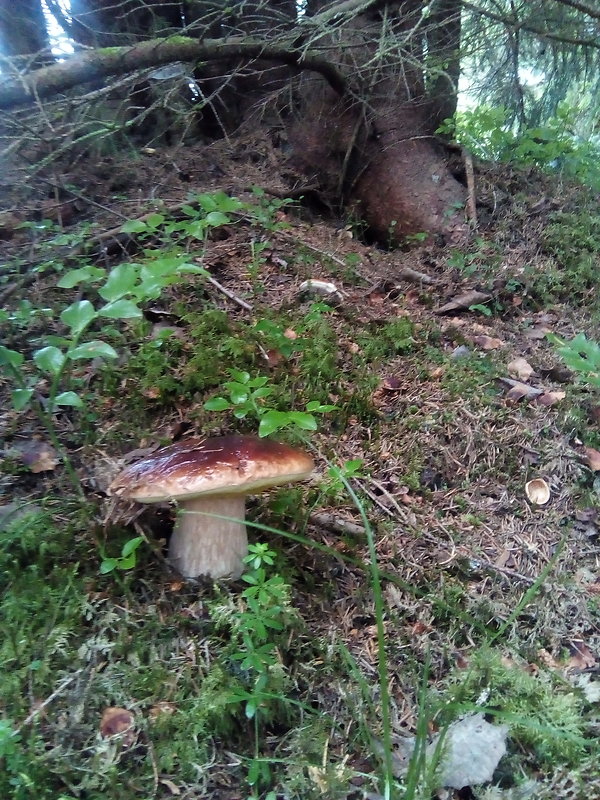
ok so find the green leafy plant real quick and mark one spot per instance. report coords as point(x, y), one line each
point(127, 559)
point(582, 355)
point(263, 613)
point(554, 145)
point(246, 396)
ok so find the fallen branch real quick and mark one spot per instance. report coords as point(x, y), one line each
point(108, 61)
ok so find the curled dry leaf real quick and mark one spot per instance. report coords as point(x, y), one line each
point(592, 458)
point(520, 369)
point(37, 455)
point(537, 491)
point(550, 398)
point(487, 342)
point(462, 302)
point(118, 721)
point(519, 390)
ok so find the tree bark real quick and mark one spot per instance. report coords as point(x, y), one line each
point(103, 63)
point(443, 45)
point(23, 32)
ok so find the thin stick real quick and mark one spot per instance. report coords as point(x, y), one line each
point(336, 524)
point(229, 294)
point(471, 206)
point(28, 720)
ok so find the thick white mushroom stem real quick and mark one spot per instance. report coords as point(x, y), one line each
point(206, 545)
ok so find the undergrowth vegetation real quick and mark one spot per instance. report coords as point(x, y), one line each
point(376, 601)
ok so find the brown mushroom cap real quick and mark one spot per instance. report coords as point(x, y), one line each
point(215, 466)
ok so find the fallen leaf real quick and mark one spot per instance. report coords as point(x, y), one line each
point(467, 753)
point(39, 456)
point(520, 369)
point(537, 333)
point(592, 458)
point(161, 708)
point(581, 656)
point(487, 342)
point(173, 788)
point(117, 721)
point(462, 302)
point(590, 687)
point(391, 384)
point(550, 398)
point(518, 390)
point(290, 334)
point(537, 491)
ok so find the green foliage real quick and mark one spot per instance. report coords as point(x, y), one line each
point(488, 134)
point(127, 559)
point(255, 627)
point(581, 355)
point(246, 396)
point(544, 713)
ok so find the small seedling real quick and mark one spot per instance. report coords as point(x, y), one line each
point(246, 398)
point(582, 355)
point(127, 559)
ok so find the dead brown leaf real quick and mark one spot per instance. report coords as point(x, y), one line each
point(117, 721)
point(592, 458)
point(550, 398)
point(488, 342)
point(39, 456)
point(520, 369)
point(536, 333)
point(462, 302)
point(581, 656)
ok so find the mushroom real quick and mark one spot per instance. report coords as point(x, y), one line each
point(209, 479)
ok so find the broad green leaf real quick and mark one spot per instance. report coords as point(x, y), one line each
point(49, 359)
point(154, 220)
point(68, 399)
point(238, 393)
point(264, 392)
point(217, 404)
point(134, 226)
point(93, 349)
point(240, 377)
point(11, 357)
point(191, 269)
point(272, 421)
point(121, 281)
point(314, 405)
point(303, 420)
point(121, 309)
point(21, 398)
point(216, 218)
point(83, 275)
point(78, 316)
point(127, 563)
point(207, 202)
point(131, 546)
point(108, 565)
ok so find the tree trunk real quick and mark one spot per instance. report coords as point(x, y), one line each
point(443, 45)
point(379, 153)
point(23, 32)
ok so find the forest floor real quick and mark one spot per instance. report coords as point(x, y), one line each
point(420, 526)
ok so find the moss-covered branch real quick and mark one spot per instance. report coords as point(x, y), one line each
point(109, 61)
